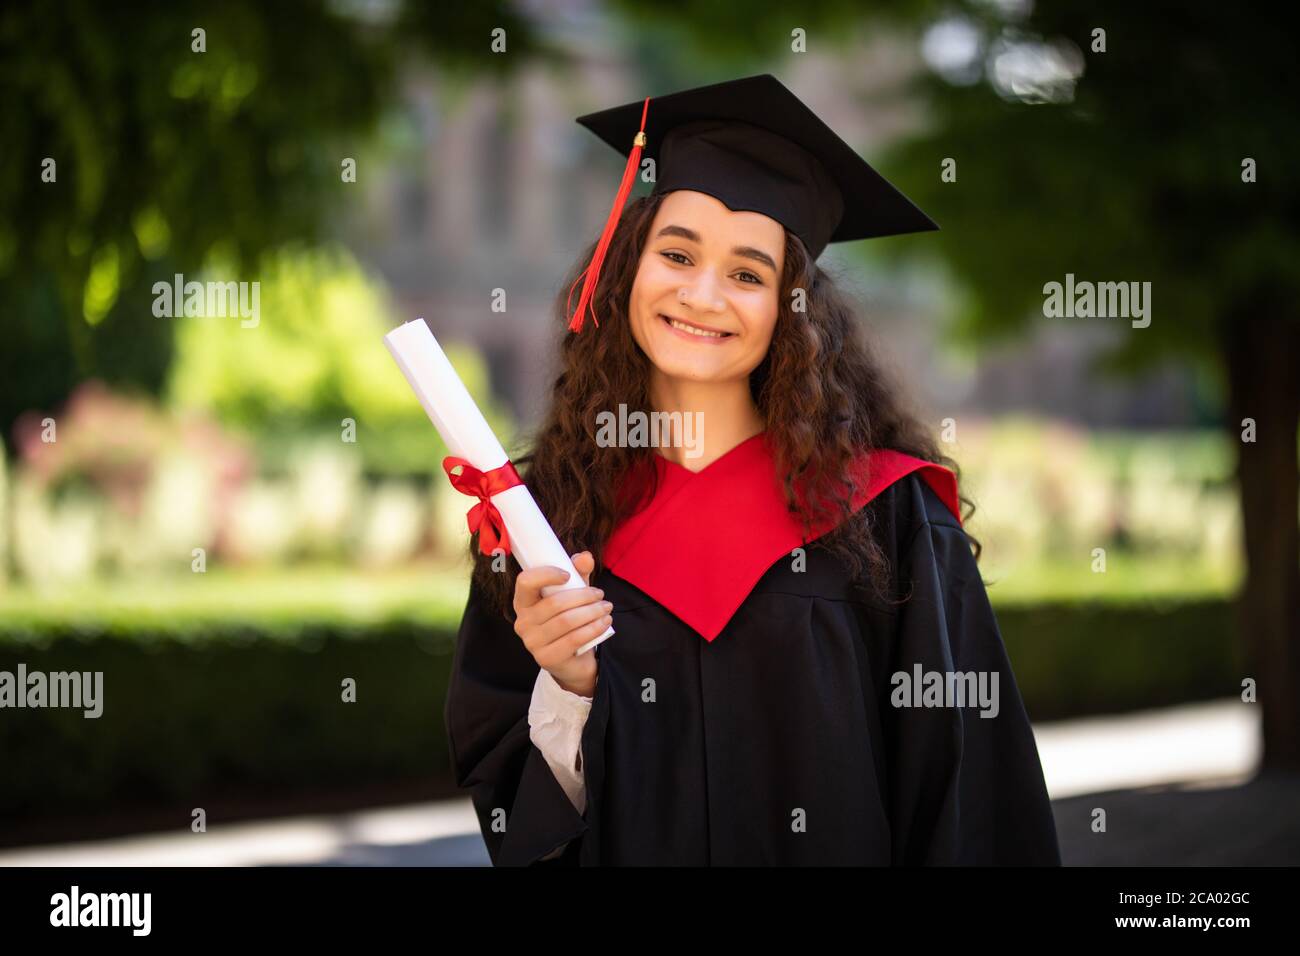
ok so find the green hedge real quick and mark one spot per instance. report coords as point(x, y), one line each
point(198, 707)
point(1074, 659)
point(228, 707)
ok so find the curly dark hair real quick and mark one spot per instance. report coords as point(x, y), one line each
point(823, 395)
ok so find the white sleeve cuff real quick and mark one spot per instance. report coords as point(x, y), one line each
point(556, 718)
point(549, 696)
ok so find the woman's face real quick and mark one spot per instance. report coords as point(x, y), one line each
point(716, 271)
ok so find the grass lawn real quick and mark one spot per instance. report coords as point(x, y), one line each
point(432, 594)
point(435, 594)
point(1127, 578)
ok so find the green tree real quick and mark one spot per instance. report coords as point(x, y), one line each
point(1135, 163)
point(169, 146)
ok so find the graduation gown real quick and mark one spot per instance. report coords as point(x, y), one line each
point(756, 708)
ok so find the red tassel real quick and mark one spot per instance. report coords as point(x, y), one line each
point(592, 272)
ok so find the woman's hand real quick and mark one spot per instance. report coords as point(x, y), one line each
point(553, 628)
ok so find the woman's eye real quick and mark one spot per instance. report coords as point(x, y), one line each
point(750, 280)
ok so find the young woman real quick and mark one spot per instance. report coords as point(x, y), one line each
point(805, 667)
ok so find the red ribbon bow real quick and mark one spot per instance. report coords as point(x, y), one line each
point(484, 517)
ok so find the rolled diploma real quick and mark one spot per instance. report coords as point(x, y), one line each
point(468, 435)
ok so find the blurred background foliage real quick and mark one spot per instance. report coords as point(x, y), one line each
point(171, 159)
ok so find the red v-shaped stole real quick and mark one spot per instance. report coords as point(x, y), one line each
point(707, 537)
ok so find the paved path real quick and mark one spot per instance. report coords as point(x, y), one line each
point(1175, 785)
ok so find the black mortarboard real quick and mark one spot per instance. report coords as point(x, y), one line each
point(754, 145)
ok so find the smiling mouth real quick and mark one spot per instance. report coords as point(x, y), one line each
point(695, 331)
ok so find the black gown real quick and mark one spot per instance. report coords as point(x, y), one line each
point(776, 743)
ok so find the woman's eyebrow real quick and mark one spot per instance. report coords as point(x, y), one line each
point(747, 252)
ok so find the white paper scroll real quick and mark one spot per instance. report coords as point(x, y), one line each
point(468, 435)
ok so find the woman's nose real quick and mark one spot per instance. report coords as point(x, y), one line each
point(701, 295)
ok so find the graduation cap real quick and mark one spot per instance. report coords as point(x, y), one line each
point(755, 146)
